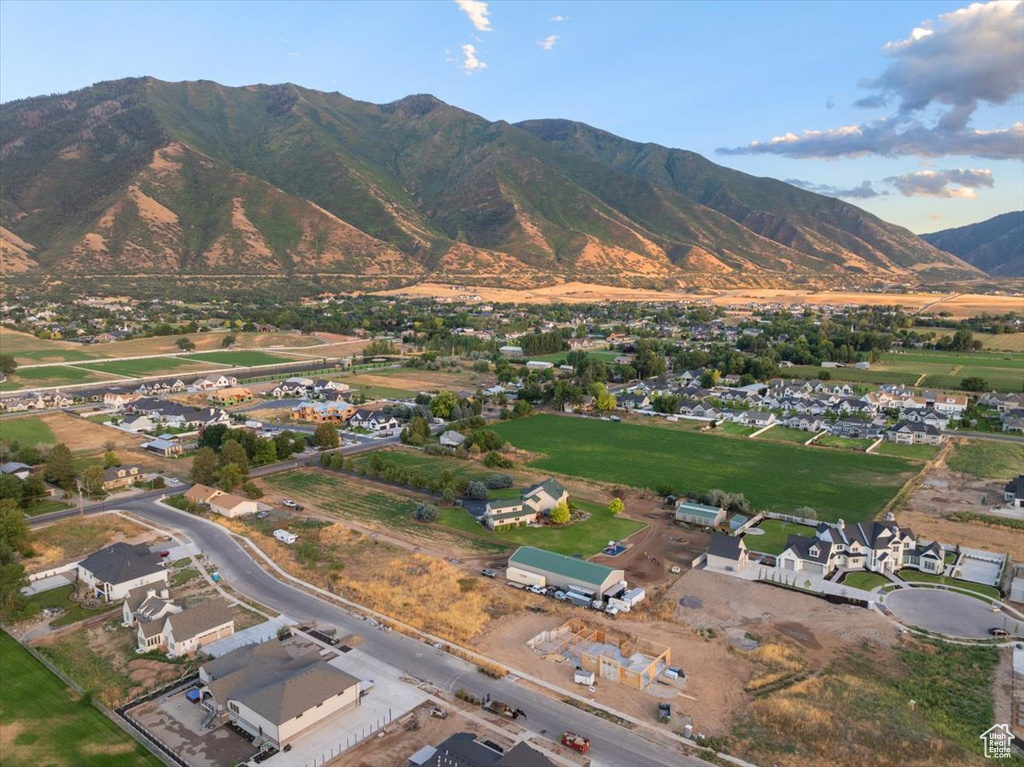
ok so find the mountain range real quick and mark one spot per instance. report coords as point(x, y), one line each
point(141, 176)
point(995, 246)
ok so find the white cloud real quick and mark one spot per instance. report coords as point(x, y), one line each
point(557, 19)
point(862, 192)
point(956, 182)
point(968, 57)
point(477, 12)
point(471, 63)
point(548, 42)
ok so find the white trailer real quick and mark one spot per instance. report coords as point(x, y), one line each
point(285, 537)
point(634, 596)
point(583, 677)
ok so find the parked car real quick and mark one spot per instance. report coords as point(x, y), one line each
point(163, 554)
point(676, 569)
point(438, 712)
point(288, 503)
point(488, 573)
point(560, 595)
point(998, 632)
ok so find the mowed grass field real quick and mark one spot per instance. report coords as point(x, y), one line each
point(604, 355)
point(774, 536)
point(27, 431)
point(46, 726)
point(148, 366)
point(241, 358)
point(772, 476)
point(52, 375)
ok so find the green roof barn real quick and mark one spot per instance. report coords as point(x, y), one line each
point(539, 567)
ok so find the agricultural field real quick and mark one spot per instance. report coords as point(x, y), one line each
point(771, 475)
point(875, 375)
point(148, 366)
point(44, 723)
point(604, 355)
point(27, 431)
point(776, 533)
point(240, 358)
point(580, 538)
point(980, 458)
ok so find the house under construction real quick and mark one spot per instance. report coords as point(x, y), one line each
point(616, 657)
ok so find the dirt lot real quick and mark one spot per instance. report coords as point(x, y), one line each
point(717, 667)
point(412, 379)
point(86, 439)
point(944, 492)
point(959, 305)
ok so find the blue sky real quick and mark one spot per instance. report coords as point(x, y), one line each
point(936, 137)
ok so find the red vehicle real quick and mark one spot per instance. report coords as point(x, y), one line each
point(576, 742)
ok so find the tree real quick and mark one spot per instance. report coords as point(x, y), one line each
point(487, 440)
point(560, 514)
point(12, 580)
point(204, 466)
point(14, 532)
point(326, 436)
point(709, 379)
point(449, 493)
point(185, 344)
point(417, 432)
point(974, 383)
point(110, 460)
point(426, 512)
point(476, 491)
point(11, 488)
point(7, 364)
point(60, 467)
point(228, 340)
point(92, 480)
point(664, 489)
point(266, 451)
point(33, 489)
point(442, 403)
point(807, 512)
point(616, 507)
point(230, 477)
point(498, 481)
point(252, 490)
point(605, 400)
point(233, 452)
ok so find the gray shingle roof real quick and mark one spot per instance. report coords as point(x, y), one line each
point(726, 546)
point(121, 562)
point(197, 620)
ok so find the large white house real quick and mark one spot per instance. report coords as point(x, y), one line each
point(879, 547)
point(114, 571)
point(532, 503)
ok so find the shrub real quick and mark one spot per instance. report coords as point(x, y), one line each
point(494, 460)
point(252, 490)
point(664, 489)
point(498, 481)
point(560, 514)
point(426, 512)
point(476, 491)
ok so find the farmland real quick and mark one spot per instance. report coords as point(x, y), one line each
point(604, 355)
point(1003, 370)
point(771, 475)
point(44, 724)
point(52, 375)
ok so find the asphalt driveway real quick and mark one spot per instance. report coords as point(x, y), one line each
point(944, 612)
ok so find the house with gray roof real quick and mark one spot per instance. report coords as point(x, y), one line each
point(276, 690)
point(114, 571)
point(726, 552)
point(464, 750)
point(533, 502)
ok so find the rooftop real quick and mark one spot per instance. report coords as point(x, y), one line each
point(570, 567)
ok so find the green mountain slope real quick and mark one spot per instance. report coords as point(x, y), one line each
point(143, 176)
point(995, 246)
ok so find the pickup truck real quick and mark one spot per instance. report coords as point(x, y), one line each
point(664, 712)
point(576, 742)
point(488, 573)
point(503, 709)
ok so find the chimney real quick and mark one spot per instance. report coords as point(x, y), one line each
point(840, 524)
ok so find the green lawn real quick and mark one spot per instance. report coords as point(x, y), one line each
point(45, 506)
point(52, 375)
point(844, 443)
point(776, 533)
point(60, 597)
point(150, 366)
point(783, 434)
point(604, 355)
point(984, 458)
point(736, 429)
point(587, 538)
point(864, 581)
point(27, 431)
point(916, 576)
point(913, 452)
point(55, 355)
point(771, 475)
point(242, 358)
point(853, 375)
point(51, 727)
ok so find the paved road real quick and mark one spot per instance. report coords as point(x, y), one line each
point(611, 745)
point(945, 612)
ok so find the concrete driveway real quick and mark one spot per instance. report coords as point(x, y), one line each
point(945, 612)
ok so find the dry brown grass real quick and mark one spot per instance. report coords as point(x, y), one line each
point(74, 538)
point(389, 580)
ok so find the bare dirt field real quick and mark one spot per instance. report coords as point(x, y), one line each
point(959, 305)
point(943, 492)
point(423, 380)
point(706, 644)
point(73, 538)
